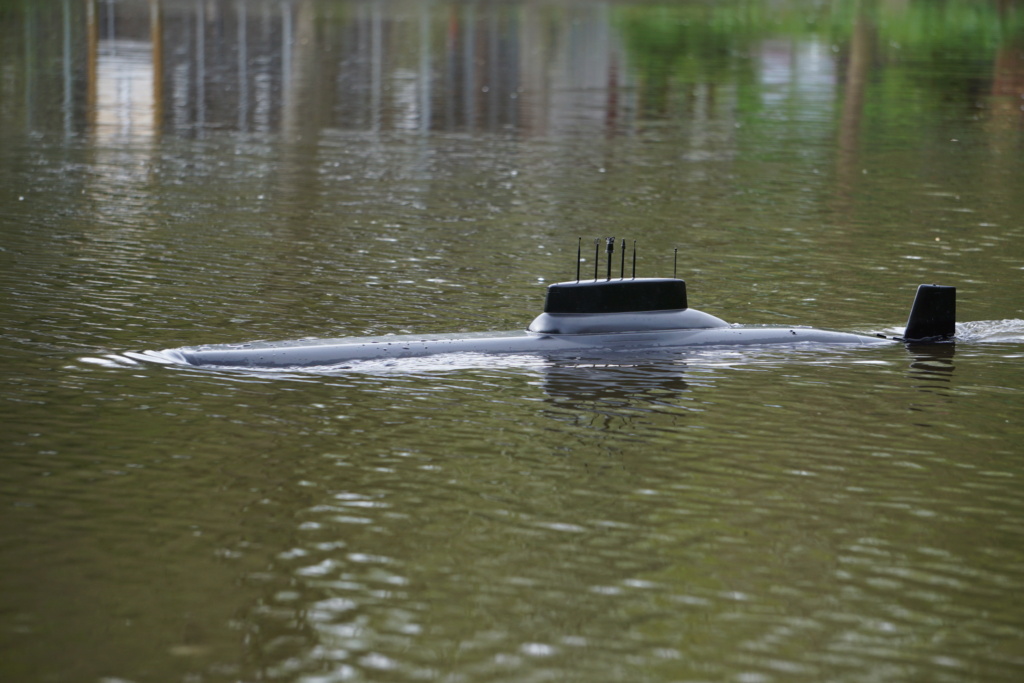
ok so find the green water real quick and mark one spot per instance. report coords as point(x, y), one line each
point(200, 172)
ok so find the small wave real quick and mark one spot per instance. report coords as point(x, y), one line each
point(110, 360)
point(443, 362)
point(982, 331)
point(978, 331)
point(130, 359)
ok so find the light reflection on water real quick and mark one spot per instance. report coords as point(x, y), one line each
point(305, 169)
point(362, 515)
point(627, 542)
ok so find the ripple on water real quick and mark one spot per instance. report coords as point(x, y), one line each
point(1010, 331)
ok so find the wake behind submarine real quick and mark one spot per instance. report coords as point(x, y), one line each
point(584, 316)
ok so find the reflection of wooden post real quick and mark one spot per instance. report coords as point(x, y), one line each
point(300, 106)
point(534, 102)
point(66, 70)
point(1005, 115)
point(92, 46)
point(376, 67)
point(857, 70)
point(156, 37)
point(1008, 82)
point(201, 67)
point(424, 71)
point(469, 87)
point(611, 105)
point(243, 67)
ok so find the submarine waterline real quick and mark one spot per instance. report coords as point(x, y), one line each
point(616, 315)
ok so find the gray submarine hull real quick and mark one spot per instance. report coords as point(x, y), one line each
point(581, 317)
point(328, 352)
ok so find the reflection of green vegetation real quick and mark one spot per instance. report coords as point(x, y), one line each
point(939, 27)
point(946, 36)
point(691, 43)
point(686, 43)
point(711, 29)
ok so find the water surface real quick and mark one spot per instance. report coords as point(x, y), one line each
point(178, 173)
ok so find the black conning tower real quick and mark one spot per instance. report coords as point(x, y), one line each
point(618, 306)
point(616, 296)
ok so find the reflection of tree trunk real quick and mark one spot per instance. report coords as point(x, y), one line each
point(300, 108)
point(1005, 115)
point(92, 46)
point(156, 37)
point(654, 91)
point(1008, 84)
point(425, 61)
point(857, 70)
point(306, 107)
point(535, 100)
point(612, 103)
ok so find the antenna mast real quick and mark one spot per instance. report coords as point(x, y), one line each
point(579, 246)
point(609, 248)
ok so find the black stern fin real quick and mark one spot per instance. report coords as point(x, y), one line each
point(933, 315)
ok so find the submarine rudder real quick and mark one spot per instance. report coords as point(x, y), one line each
point(933, 314)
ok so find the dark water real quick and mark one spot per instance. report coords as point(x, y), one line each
point(198, 172)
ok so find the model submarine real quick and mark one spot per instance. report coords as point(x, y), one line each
point(583, 316)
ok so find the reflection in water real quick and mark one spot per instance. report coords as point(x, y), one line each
point(614, 382)
point(858, 71)
point(932, 367)
point(126, 106)
point(933, 361)
point(376, 66)
point(125, 79)
point(608, 394)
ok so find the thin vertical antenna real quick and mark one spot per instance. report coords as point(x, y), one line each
point(597, 253)
point(634, 260)
point(609, 248)
point(579, 246)
point(675, 259)
point(622, 260)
